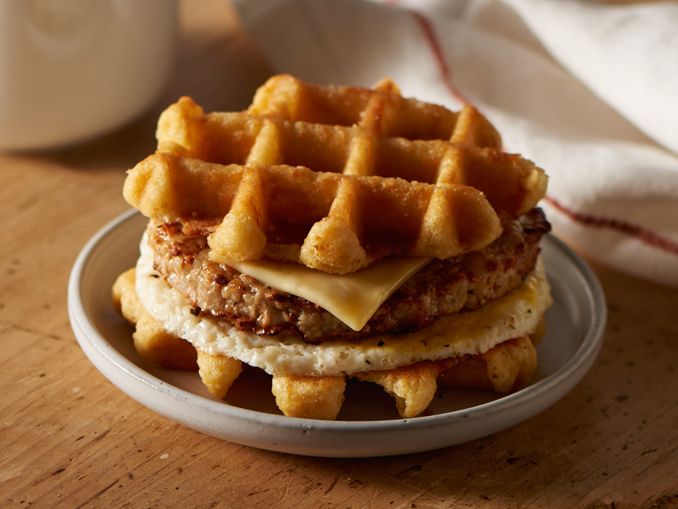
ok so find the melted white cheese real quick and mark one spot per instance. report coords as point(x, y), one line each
point(352, 298)
point(514, 315)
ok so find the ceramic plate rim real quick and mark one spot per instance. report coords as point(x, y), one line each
point(567, 375)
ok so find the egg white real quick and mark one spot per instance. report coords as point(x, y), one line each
point(516, 314)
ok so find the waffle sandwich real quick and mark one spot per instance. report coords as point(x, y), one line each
point(329, 233)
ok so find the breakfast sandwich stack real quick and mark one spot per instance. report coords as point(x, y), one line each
point(329, 233)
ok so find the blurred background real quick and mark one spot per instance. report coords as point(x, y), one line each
point(78, 76)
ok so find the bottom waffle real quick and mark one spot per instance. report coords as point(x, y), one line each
point(503, 368)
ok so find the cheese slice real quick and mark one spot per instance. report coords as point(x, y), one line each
point(352, 298)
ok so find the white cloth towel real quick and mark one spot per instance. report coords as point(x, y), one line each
point(587, 90)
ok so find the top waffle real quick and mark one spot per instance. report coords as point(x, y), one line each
point(334, 177)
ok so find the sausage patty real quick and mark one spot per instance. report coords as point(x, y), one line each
point(442, 287)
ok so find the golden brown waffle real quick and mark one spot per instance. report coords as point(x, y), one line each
point(383, 175)
point(394, 211)
point(151, 341)
point(506, 367)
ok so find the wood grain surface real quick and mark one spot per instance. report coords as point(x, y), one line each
point(68, 438)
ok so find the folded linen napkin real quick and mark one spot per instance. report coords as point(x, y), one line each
point(587, 90)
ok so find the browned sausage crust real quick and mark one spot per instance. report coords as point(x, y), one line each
point(442, 287)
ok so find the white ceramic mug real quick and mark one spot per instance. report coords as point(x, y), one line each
point(74, 69)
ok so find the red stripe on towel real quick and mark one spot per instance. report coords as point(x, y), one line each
point(647, 237)
point(644, 235)
point(433, 42)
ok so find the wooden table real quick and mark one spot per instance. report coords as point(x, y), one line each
point(69, 438)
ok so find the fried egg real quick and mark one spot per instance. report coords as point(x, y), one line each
point(516, 314)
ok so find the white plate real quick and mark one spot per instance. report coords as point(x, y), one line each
point(368, 424)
